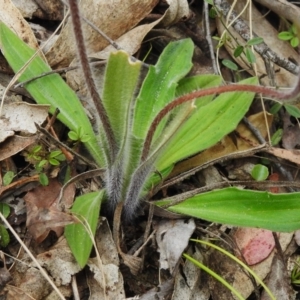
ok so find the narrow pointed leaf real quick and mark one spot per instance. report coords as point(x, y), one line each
point(49, 89)
point(87, 208)
point(247, 208)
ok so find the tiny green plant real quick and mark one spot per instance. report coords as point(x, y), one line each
point(42, 161)
point(78, 135)
point(290, 35)
point(146, 131)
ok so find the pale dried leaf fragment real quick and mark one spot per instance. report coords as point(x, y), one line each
point(60, 263)
point(12, 17)
point(105, 277)
point(22, 117)
point(14, 145)
point(172, 237)
point(112, 17)
point(191, 283)
point(178, 10)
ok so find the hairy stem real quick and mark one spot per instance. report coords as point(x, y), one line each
point(267, 92)
point(87, 72)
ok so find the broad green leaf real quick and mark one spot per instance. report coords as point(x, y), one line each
point(276, 137)
point(49, 89)
point(255, 41)
point(238, 51)
point(250, 56)
point(159, 86)
point(121, 77)
point(4, 236)
point(292, 110)
point(260, 172)
point(230, 64)
point(207, 126)
point(8, 177)
point(43, 178)
point(285, 35)
point(87, 209)
point(294, 41)
point(5, 209)
point(246, 208)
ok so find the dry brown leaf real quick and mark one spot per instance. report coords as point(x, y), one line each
point(191, 282)
point(129, 42)
point(43, 213)
point(178, 10)
point(290, 155)
point(60, 263)
point(265, 30)
point(12, 17)
point(22, 117)
point(172, 237)
point(14, 145)
point(111, 17)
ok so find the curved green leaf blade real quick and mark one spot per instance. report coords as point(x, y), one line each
point(87, 208)
point(207, 126)
point(247, 208)
point(160, 84)
point(120, 80)
point(49, 89)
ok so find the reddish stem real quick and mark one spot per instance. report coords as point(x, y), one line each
point(211, 91)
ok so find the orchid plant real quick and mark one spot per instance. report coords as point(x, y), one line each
point(146, 131)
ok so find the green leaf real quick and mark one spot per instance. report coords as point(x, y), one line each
point(121, 77)
point(294, 29)
point(250, 56)
point(54, 162)
point(285, 35)
point(73, 135)
point(229, 64)
point(275, 108)
point(207, 126)
point(276, 137)
point(276, 212)
point(292, 110)
point(255, 41)
point(5, 209)
point(260, 172)
point(55, 153)
point(159, 86)
point(238, 51)
point(43, 178)
point(209, 2)
point(50, 89)
point(294, 41)
point(4, 236)
point(87, 208)
point(8, 177)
